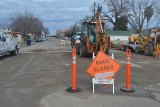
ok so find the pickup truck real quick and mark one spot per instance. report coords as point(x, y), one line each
point(8, 44)
point(132, 46)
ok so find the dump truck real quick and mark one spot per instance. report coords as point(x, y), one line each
point(93, 38)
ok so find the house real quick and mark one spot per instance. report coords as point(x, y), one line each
point(5, 30)
point(60, 32)
point(118, 35)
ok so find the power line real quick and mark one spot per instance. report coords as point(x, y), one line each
point(60, 19)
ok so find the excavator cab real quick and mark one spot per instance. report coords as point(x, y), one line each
point(91, 40)
point(89, 31)
point(88, 38)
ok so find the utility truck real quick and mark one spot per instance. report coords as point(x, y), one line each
point(8, 44)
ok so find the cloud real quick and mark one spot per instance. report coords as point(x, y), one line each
point(43, 0)
point(52, 10)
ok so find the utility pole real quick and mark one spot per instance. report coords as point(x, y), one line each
point(94, 8)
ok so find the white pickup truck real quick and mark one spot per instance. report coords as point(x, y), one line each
point(132, 46)
point(8, 44)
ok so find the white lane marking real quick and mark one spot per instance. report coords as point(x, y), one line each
point(11, 69)
point(67, 64)
point(5, 60)
point(154, 63)
point(19, 72)
point(49, 52)
point(42, 45)
point(153, 87)
point(132, 64)
point(30, 47)
point(25, 65)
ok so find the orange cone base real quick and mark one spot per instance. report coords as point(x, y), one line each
point(124, 89)
point(73, 91)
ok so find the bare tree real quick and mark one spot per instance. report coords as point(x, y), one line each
point(138, 12)
point(157, 13)
point(73, 29)
point(26, 23)
point(46, 31)
point(69, 32)
point(86, 18)
point(115, 9)
point(4, 25)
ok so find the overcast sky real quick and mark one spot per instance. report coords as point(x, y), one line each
point(56, 14)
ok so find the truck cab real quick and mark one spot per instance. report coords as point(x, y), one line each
point(8, 44)
point(3, 46)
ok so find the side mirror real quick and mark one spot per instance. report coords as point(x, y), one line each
point(3, 39)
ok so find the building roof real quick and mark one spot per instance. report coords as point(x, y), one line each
point(118, 33)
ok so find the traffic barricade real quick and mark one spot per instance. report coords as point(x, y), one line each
point(73, 88)
point(128, 87)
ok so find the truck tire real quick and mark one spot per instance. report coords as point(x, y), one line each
point(77, 50)
point(14, 52)
point(107, 49)
point(145, 50)
point(82, 50)
point(126, 48)
point(148, 49)
point(72, 44)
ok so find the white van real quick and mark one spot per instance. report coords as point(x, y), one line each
point(8, 44)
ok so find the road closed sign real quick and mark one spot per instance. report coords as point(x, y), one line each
point(102, 63)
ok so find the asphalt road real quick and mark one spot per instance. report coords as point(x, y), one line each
point(39, 75)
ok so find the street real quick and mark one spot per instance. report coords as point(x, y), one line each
point(39, 75)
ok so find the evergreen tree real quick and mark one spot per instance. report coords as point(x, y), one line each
point(121, 23)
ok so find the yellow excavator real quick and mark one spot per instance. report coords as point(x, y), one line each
point(93, 38)
point(148, 45)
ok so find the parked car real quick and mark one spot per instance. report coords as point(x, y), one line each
point(40, 39)
point(8, 44)
point(66, 38)
point(46, 38)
